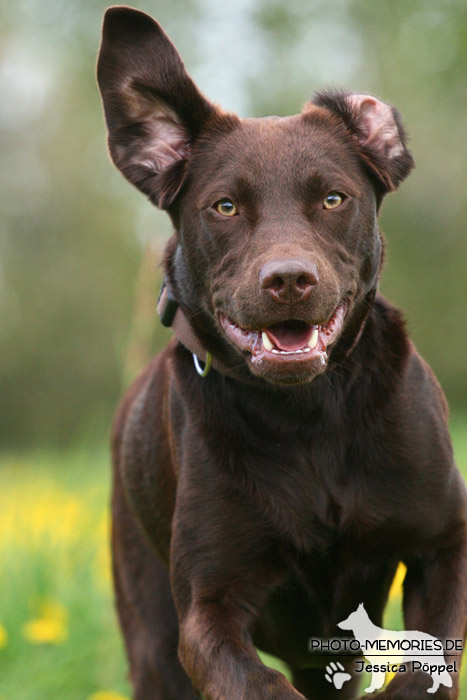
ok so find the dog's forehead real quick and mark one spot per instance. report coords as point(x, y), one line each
point(271, 128)
point(280, 150)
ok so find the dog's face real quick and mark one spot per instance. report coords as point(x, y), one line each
point(276, 218)
point(280, 225)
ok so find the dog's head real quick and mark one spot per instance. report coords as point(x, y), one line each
point(277, 250)
point(355, 620)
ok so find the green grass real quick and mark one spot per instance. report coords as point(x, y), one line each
point(55, 579)
point(53, 542)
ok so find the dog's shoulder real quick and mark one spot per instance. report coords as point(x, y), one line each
point(147, 392)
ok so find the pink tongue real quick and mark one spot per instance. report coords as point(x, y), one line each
point(289, 336)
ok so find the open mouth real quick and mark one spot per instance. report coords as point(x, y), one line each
point(289, 341)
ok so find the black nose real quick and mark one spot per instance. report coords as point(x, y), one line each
point(288, 281)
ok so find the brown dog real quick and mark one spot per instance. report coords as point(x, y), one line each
point(259, 504)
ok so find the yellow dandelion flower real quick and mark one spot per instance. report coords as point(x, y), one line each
point(107, 695)
point(44, 631)
point(3, 637)
point(50, 627)
point(396, 586)
point(40, 510)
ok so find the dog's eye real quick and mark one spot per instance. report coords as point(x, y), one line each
point(226, 207)
point(333, 200)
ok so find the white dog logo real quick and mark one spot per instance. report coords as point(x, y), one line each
point(370, 637)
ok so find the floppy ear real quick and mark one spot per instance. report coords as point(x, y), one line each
point(153, 109)
point(377, 129)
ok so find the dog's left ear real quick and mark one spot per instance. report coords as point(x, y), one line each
point(378, 132)
point(153, 109)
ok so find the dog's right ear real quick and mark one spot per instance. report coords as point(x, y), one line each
point(153, 109)
point(377, 131)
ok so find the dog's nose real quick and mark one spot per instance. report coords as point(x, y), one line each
point(288, 281)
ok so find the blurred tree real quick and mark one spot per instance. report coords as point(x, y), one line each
point(73, 233)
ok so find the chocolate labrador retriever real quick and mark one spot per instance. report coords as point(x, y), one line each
point(289, 447)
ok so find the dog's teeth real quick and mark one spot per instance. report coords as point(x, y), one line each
point(266, 342)
point(313, 340)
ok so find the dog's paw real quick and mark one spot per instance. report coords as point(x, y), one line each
point(337, 675)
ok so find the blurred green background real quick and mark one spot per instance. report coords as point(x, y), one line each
point(79, 257)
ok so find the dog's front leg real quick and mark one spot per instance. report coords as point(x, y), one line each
point(221, 576)
point(435, 601)
point(221, 661)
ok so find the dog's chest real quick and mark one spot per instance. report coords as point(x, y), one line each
point(298, 466)
point(314, 501)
